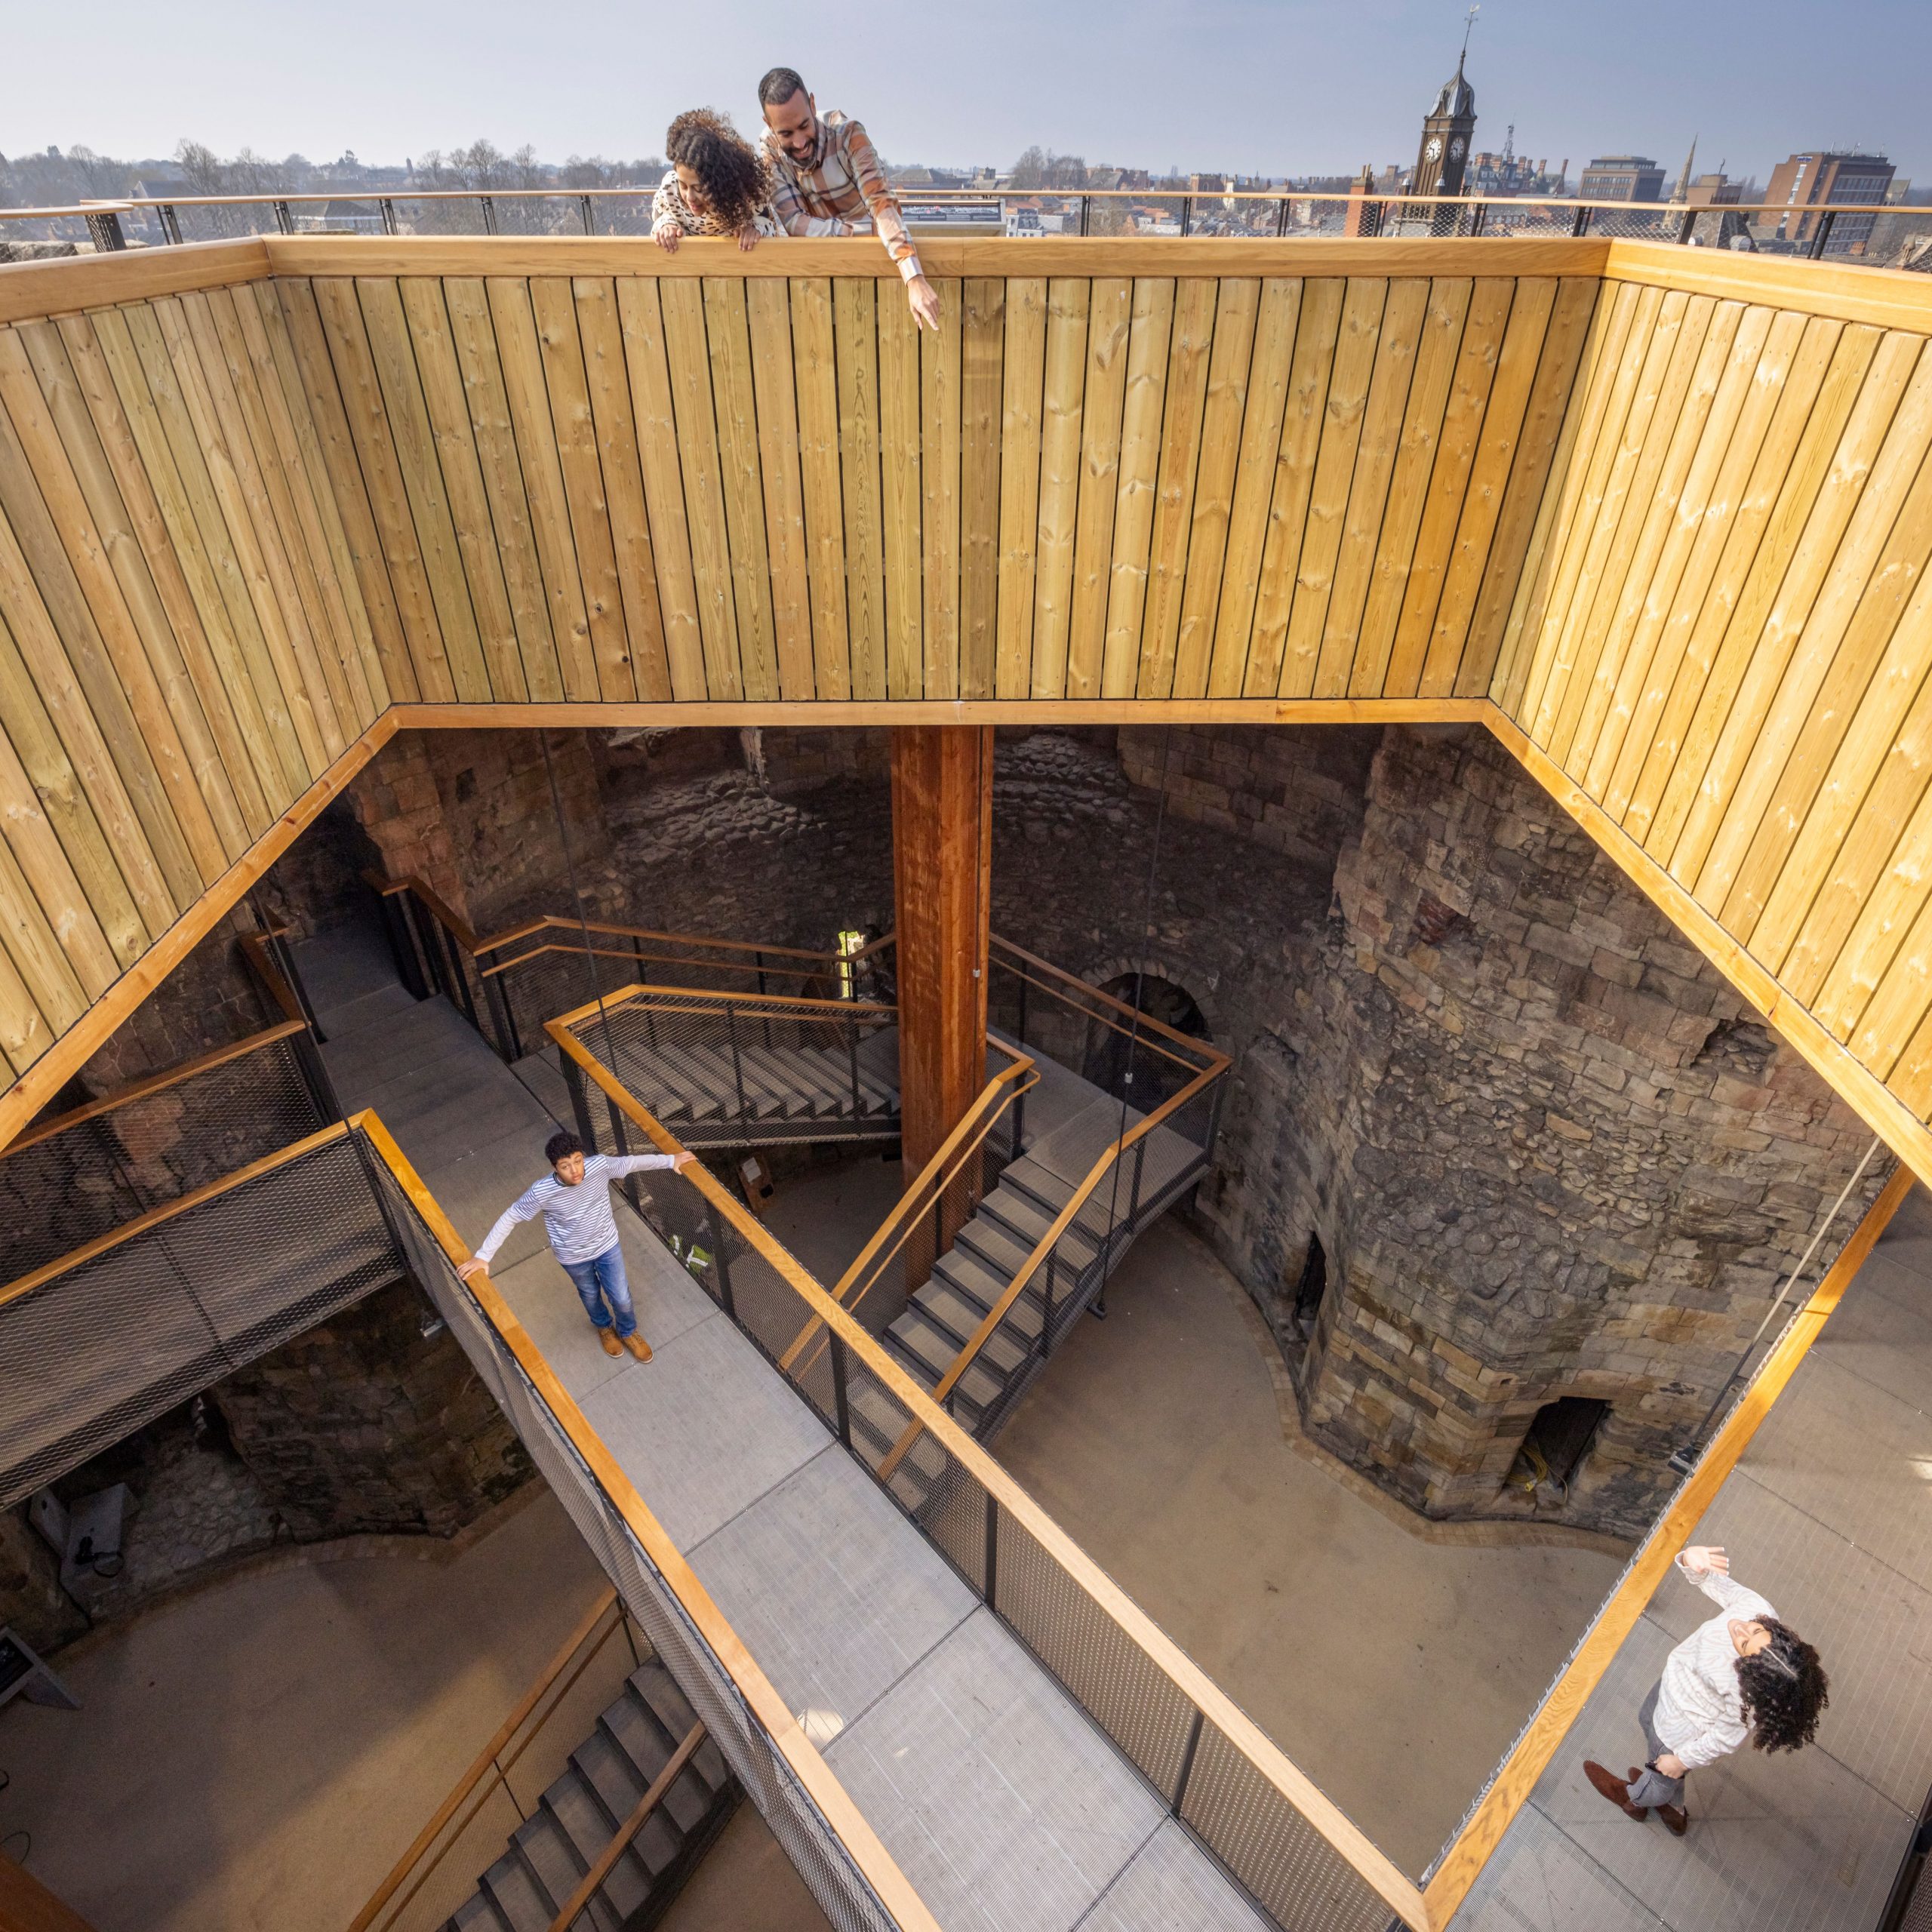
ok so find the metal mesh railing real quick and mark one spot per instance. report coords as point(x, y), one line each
point(1006, 1552)
point(93, 1349)
point(82, 1175)
point(729, 1070)
point(814, 1848)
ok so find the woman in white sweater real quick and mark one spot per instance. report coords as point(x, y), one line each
point(1743, 1674)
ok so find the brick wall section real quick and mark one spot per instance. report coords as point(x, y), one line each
point(364, 1425)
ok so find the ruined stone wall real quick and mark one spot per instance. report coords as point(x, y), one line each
point(365, 1424)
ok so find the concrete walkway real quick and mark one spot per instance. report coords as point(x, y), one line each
point(1003, 1804)
point(1829, 1515)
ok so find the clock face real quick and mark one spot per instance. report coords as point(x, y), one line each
point(1456, 148)
point(1434, 150)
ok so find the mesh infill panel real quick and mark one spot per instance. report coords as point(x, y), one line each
point(109, 1344)
point(1298, 1877)
point(1130, 1696)
point(61, 1192)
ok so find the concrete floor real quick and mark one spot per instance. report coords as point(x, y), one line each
point(256, 1757)
point(1395, 1671)
point(745, 1884)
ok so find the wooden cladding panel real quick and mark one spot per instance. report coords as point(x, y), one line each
point(1722, 636)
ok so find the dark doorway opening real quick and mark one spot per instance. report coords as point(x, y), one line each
point(1158, 1073)
point(1559, 1436)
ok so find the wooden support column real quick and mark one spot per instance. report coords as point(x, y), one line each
point(941, 840)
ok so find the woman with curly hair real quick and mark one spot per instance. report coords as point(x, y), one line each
point(717, 184)
point(1742, 1675)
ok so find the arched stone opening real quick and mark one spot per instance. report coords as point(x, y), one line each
point(1113, 1046)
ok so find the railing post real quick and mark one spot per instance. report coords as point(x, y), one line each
point(1133, 1199)
point(489, 214)
point(1581, 226)
point(1281, 219)
point(724, 1299)
point(1019, 1124)
point(1478, 219)
point(1047, 1319)
point(993, 1549)
point(586, 1128)
point(510, 1042)
point(1086, 214)
point(737, 1068)
point(1687, 227)
point(584, 206)
point(839, 1403)
point(170, 223)
point(386, 209)
point(402, 948)
point(104, 230)
point(852, 1060)
point(1186, 215)
point(283, 220)
point(1822, 233)
point(1186, 1764)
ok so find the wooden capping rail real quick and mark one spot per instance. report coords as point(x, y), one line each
point(682, 995)
point(580, 951)
point(154, 1216)
point(555, 920)
point(1469, 1851)
point(994, 1098)
point(156, 1082)
point(480, 1766)
point(600, 1866)
point(1048, 1241)
point(1399, 1893)
point(255, 950)
point(774, 1716)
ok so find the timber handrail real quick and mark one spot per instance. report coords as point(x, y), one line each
point(154, 1083)
point(600, 1869)
point(154, 1216)
point(1019, 1077)
point(1454, 1872)
point(255, 950)
point(1064, 1220)
point(774, 1717)
point(1376, 1870)
point(582, 951)
point(489, 1757)
point(680, 998)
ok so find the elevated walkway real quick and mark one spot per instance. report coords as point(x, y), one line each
point(1828, 1513)
point(1002, 1801)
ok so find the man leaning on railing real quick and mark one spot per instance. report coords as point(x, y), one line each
point(829, 181)
point(574, 1199)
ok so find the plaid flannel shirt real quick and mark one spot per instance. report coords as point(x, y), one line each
point(841, 185)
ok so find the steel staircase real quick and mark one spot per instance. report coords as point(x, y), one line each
point(552, 1850)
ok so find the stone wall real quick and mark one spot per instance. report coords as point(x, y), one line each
point(32, 1600)
point(365, 1424)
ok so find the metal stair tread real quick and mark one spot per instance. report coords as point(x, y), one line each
point(875, 1096)
point(662, 1078)
point(477, 1913)
point(929, 1351)
point(580, 1817)
point(518, 1897)
point(964, 1271)
point(764, 1068)
point(546, 1849)
point(1029, 1222)
point(959, 1317)
point(713, 1065)
point(805, 1084)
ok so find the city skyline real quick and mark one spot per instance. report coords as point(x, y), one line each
point(1223, 87)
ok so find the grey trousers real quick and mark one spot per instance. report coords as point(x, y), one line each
point(1650, 1787)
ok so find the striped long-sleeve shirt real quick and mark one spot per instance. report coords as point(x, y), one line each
point(578, 1220)
point(841, 190)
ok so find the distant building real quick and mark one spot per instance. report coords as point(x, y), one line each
point(1826, 180)
point(1447, 130)
point(1713, 191)
point(1621, 177)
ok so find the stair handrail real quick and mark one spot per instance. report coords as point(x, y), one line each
point(775, 1720)
point(1019, 1076)
point(680, 1000)
point(600, 1866)
point(964, 1360)
point(1269, 1761)
point(491, 1756)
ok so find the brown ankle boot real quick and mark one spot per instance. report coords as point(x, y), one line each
point(637, 1345)
point(612, 1346)
point(1617, 1789)
point(1676, 1817)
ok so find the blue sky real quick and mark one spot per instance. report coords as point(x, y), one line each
point(1264, 86)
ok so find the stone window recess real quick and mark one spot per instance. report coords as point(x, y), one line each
point(1559, 1436)
point(1311, 1288)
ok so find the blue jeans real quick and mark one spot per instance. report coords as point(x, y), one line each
point(602, 1279)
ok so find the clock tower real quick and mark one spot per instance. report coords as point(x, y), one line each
point(1450, 126)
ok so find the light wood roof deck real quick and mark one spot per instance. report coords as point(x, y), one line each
point(1659, 517)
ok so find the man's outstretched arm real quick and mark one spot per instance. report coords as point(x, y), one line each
point(523, 1208)
point(890, 225)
